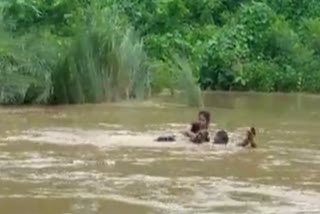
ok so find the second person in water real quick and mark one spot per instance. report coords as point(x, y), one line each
point(198, 132)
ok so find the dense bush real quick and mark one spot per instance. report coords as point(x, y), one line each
point(105, 62)
point(62, 51)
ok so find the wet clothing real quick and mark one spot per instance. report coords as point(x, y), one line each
point(201, 137)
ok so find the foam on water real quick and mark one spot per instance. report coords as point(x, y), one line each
point(111, 163)
point(100, 138)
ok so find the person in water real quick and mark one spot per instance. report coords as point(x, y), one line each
point(222, 137)
point(198, 132)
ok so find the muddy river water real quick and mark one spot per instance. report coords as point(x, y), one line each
point(90, 159)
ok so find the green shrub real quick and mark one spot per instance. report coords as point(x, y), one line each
point(26, 64)
point(106, 62)
point(89, 51)
point(186, 82)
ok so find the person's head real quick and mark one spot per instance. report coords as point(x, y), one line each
point(204, 119)
point(221, 137)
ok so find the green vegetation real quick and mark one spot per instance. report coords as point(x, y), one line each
point(63, 51)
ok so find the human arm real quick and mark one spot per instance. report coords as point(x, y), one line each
point(200, 137)
point(189, 134)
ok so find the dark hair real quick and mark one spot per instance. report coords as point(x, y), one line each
point(206, 115)
point(166, 138)
point(221, 137)
point(195, 127)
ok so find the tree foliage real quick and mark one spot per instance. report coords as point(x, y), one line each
point(263, 45)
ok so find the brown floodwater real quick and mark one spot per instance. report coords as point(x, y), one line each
point(88, 159)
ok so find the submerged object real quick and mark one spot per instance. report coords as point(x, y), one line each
point(166, 138)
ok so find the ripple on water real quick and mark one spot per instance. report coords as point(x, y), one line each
point(187, 195)
point(105, 139)
point(106, 174)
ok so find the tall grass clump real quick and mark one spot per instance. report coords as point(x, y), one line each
point(26, 64)
point(106, 62)
point(186, 82)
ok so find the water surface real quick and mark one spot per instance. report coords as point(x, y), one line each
point(102, 158)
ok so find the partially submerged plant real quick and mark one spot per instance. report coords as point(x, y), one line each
point(187, 83)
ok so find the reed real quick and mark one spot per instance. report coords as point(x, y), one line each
point(106, 62)
point(187, 83)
